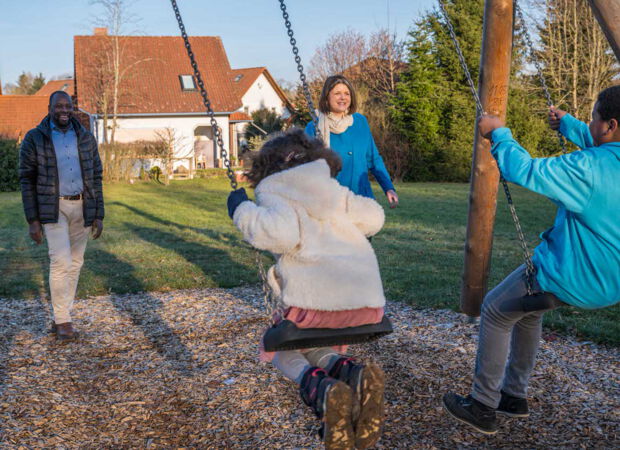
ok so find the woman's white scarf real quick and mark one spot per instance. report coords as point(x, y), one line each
point(329, 124)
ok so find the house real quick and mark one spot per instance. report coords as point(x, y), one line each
point(66, 85)
point(19, 114)
point(158, 93)
point(259, 90)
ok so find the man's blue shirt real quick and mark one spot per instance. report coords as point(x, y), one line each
point(67, 160)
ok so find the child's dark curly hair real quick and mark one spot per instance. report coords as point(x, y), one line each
point(286, 150)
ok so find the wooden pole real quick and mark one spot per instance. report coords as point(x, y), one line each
point(607, 12)
point(495, 59)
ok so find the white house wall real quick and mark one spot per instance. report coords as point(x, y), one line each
point(131, 129)
point(262, 95)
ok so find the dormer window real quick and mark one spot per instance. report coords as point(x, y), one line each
point(187, 82)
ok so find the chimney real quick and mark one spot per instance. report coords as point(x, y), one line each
point(100, 31)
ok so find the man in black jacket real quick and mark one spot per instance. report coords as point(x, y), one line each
point(60, 176)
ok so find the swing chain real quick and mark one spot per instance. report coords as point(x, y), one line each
point(205, 98)
point(539, 71)
point(269, 301)
point(300, 69)
point(529, 266)
point(461, 57)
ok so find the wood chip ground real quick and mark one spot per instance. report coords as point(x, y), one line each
point(180, 369)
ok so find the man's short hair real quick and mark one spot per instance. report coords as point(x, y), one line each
point(56, 93)
point(609, 103)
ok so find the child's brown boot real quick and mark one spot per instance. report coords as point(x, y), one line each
point(368, 384)
point(331, 401)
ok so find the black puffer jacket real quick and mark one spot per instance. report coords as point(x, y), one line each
point(38, 174)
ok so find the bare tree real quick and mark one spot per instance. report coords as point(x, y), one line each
point(340, 51)
point(116, 19)
point(174, 149)
point(577, 59)
point(383, 64)
point(374, 62)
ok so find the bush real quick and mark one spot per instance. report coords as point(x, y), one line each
point(9, 162)
point(121, 160)
point(210, 173)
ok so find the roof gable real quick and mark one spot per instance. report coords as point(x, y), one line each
point(243, 79)
point(57, 85)
point(151, 66)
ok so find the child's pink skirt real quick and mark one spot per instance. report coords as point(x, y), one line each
point(311, 318)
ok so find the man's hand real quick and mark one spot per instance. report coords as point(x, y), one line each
point(555, 115)
point(392, 198)
point(488, 123)
point(36, 231)
point(97, 228)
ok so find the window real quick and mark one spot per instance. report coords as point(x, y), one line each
point(187, 82)
point(238, 77)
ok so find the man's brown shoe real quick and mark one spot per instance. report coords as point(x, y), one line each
point(65, 331)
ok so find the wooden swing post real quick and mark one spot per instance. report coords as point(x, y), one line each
point(495, 61)
point(607, 12)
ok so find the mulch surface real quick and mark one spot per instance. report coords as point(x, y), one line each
point(180, 369)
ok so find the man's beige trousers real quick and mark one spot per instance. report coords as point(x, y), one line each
point(66, 241)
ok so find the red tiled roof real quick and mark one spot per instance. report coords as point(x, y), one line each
point(151, 82)
point(20, 113)
point(243, 79)
point(239, 117)
point(57, 85)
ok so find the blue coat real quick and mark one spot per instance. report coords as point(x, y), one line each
point(359, 154)
point(578, 259)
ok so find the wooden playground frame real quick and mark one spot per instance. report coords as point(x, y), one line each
point(493, 86)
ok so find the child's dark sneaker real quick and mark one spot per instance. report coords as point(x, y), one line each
point(368, 385)
point(331, 400)
point(470, 411)
point(513, 406)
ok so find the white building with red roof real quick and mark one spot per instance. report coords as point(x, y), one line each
point(158, 92)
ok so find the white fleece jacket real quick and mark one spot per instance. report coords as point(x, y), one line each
point(317, 230)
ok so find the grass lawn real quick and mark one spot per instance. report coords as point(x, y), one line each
point(161, 238)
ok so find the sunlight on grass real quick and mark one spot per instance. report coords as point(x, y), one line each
point(159, 238)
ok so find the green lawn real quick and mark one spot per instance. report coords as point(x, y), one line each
point(179, 236)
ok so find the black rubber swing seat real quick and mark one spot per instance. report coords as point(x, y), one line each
point(539, 301)
point(287, 336)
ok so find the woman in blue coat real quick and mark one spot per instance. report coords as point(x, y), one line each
point(348, 134)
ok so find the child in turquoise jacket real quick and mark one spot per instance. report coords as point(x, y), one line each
point(578, 260)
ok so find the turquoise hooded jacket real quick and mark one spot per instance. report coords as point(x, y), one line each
point(359, 154)
point(578, 259)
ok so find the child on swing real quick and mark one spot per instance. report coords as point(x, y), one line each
point(578, 260)
point(326, 274)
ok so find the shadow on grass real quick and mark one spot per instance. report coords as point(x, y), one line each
point(231, 239)
point(145, 315)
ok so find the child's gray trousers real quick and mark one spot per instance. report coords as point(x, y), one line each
point(507, 333)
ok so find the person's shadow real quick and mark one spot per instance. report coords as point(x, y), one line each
point(144, 312)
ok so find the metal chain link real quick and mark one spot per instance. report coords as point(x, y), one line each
point(300, 69)
point(461, 57)
point(529, 266)
point(205, 98)
point(539, 71)
point(272, 304)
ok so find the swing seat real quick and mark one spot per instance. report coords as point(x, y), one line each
point(539, 301)
point(287, 336)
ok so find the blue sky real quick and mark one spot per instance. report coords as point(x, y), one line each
point(39, 38)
